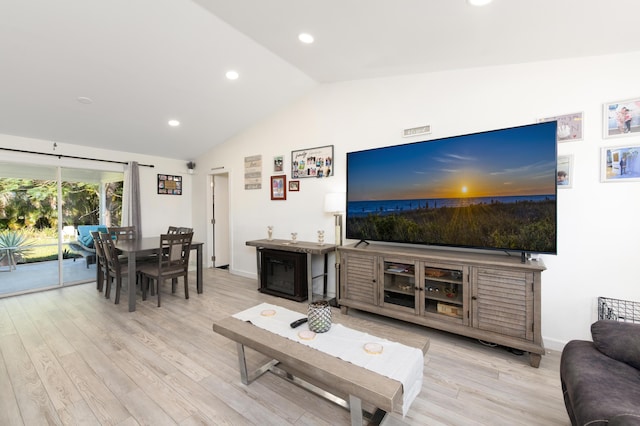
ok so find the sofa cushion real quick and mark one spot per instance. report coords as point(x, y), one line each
point(618, 340)
point(598, 388)
point(87, 241)
point(625, 420)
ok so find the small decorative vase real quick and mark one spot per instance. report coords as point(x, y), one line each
point(270, 232)
point(294, 237)
point(319, 316)
point(321, 237)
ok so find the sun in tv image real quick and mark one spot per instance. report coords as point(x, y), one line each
point(490, 190)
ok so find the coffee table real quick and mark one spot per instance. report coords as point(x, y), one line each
point(333, 378)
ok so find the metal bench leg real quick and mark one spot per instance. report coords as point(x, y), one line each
point(245, 376)
point(355, 407)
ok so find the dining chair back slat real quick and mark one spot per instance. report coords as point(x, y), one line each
point(179, 230)
point(122, 232)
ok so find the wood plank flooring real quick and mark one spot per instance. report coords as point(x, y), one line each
point(69, 356)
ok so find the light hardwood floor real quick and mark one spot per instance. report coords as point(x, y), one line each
point(71, 357)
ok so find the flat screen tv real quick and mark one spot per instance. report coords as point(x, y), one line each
point(493, 190)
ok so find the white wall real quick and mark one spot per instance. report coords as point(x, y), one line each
point(598, 236)
point(158, 211)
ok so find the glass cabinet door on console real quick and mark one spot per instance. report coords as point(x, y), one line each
point(399, 285)
point(444, 292)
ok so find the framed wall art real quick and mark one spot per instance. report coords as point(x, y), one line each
point(278, 187)
point(294, 185)
point(569, 126)
point(278, 163)
point(312, 162)
point(169, 184)
point(565, 171)
point(620, 164)
point(621, 118)
point(253, 172)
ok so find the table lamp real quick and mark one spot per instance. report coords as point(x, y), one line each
point(335, 202)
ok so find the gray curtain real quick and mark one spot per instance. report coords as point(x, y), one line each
point(131, 203)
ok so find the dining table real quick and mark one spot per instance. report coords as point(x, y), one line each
point(144, 247)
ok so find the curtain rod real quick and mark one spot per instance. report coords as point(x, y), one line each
point(72, 156)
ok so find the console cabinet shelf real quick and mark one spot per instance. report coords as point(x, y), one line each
point(491, 297)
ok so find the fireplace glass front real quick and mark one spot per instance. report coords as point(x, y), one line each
point(283, 274)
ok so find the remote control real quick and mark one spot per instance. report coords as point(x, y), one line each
point(298, 323)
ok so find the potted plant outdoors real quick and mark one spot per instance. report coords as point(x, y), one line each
point(14, 246)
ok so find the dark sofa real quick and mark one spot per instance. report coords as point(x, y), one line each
point(601, 379)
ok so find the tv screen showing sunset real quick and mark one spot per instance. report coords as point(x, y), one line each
point(493, 190)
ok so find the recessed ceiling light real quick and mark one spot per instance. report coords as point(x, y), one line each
point(174, 123)
point(232, 75)
point(306, 38)
point(479, 2)
point(84, 100)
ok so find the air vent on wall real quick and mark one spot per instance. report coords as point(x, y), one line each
point(415, 131)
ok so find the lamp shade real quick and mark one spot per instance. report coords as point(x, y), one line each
point(335, 202)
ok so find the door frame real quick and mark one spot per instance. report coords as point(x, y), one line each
point(210, 215)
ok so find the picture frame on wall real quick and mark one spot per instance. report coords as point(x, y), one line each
point(294, 185)
point(569, 126)
point(278, 163)
point(620, 164)
point(312, 162)
point(169, 184)
point(565, 171)
point(621, 118)
point(278, 187)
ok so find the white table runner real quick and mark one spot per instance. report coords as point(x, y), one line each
point(397, 361)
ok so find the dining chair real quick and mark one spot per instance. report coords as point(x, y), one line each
point(172, 263)
point(122, 232)
point(116, 268)
point(179, 230)
point(101, 260)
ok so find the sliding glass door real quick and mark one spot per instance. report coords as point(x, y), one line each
point(42, 208)
point(28, 235)
point(89, 198)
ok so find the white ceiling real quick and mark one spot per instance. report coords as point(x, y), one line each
point(143, 62)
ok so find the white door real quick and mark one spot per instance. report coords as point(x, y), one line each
point(221, 220)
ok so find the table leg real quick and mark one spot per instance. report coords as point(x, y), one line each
point(309, 279)
point(326, 276)
point(199, 269)
point(259, 265)
point(132, 281)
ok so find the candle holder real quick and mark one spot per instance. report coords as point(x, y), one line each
point(270, 232)
point(294, 237)
point(321, 237)
point(319, 316)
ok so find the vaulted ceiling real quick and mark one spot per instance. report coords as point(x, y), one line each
point(111, 74)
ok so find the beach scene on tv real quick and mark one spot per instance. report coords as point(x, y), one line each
point(492, 190)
